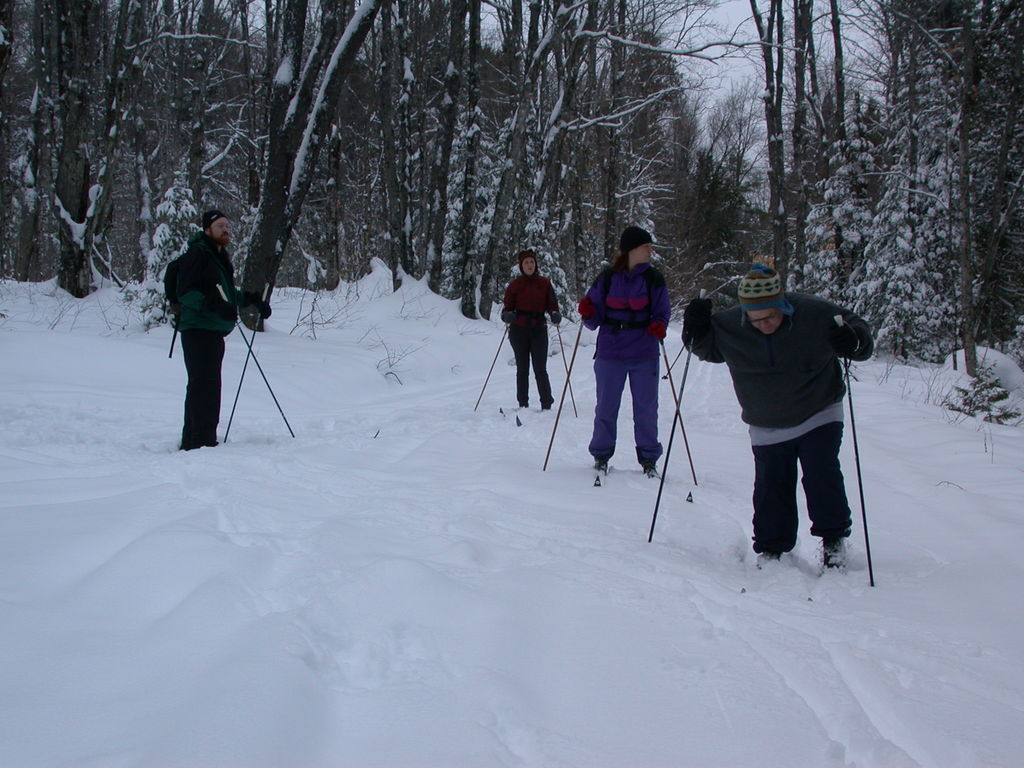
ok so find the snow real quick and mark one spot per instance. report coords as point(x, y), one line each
point(76, 229)
point(285, 71)
point(401, 584)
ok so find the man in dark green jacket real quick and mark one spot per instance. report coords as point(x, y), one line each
point(783, 353)
point(209, 311)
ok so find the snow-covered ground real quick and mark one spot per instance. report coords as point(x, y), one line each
point(401, 585)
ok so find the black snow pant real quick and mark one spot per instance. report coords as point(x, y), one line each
point(203, 352)
point(531, 344)
point(775, 510)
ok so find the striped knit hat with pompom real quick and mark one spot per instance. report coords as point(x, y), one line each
point(761, 288)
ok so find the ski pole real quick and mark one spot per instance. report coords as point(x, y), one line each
point(252, 353)
point(244, 366)
point(240, 380)
point(503, 334)
point(856, 459)
point(572, 397)
point(668, 451)
point(668, 372)
point(170, 354)
point(679, 415)
point(561, 401)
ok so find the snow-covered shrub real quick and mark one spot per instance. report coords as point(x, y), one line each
point(984, 397)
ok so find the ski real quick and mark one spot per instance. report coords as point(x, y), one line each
point(519, 423)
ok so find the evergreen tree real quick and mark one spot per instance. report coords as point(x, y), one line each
point(906, 286)
point(176, 216)
point(839, 225)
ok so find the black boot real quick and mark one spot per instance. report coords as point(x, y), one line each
point(763, 558)
point(833, 553)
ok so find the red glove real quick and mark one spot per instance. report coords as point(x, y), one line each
point(657, 329)
point(587, 308)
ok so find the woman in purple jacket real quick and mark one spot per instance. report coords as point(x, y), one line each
point(629, 303)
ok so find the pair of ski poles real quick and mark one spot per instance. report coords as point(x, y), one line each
point(677, 416)
point(251, 354)
point(501, 343)
point(856, 451)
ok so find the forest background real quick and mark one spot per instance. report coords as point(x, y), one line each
point(873, 148)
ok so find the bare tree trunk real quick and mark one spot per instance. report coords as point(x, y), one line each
point(772, 37)
point(122, 80)
point(968, 308)
point(1007, 191)
point(29, 199)
point(69, 68)
point(448, 119)
point(397, 151)
point(839, 115)
point(611, 192)
point(389, 156)
point(6, 39)
point(839, 70)
point(199, 72)
point(253, 154)
point(81, 206)
point(802, 32)
point(304, 96)
point(570, 72)
point(469, 285)
point(537, 52)
point(335, 211)
point(30, 166)
point(144, 194)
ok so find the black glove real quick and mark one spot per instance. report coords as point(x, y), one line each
point(696, 320)
point(508, 317)
point(253, 300)
point(222, 309)
point(556, 317)
point(844, 340)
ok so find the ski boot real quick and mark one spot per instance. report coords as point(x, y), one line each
point(833, 553)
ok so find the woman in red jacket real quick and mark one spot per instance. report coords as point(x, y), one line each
point(527, 298)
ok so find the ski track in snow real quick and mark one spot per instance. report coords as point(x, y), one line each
point(401, 585)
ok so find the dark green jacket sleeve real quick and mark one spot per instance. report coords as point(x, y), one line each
point(200, 273)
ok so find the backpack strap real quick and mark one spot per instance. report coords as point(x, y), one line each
point(652, 278)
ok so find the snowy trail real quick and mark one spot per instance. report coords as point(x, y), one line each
point(401, 585)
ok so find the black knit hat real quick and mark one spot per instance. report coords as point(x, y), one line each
point(529, 253)
point(211, 216)
point(634, 237)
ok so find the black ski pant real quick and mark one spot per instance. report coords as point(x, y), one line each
point(531, 344)
point(775, 471)
point(203, 352)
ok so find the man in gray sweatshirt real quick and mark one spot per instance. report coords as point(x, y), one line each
point(783, 353)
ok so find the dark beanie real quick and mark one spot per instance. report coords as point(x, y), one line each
point(524, 255)
point(634, 237)
point(211, 216)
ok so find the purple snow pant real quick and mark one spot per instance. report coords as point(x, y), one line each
point(775, 511)
point(643, 386)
